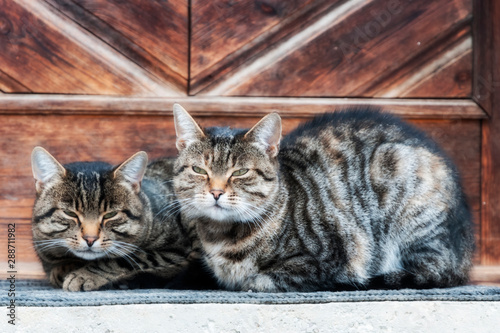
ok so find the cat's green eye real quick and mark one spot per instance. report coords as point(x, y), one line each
point(70, 213)
point(240, 172)
point(199, 170)
point(110, 215)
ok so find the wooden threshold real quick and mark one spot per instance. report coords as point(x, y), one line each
point(234, 106)
point(486, 275)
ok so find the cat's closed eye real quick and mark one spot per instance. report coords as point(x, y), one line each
point(70, 213)
point(109, 215)
point(240, 172)
point(199, 170)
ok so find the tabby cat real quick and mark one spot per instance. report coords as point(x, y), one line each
point(353, 199)
point(95, 225)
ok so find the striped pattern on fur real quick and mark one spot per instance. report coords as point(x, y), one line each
point(354, 199)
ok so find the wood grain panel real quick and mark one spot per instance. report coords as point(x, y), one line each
point(159, 27)
point(449, 79)
point(486, 17)
point(212, 41)
point(442, 70)
point(225, 33)
point(153, 34)
point(486, 275)
point(115, 138)
point(347, 48)
point(46, 52)
point(236, 106)
point(487, 93)
point(9, 85)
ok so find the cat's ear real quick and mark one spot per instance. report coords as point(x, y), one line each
point(267, 134)
point(186, 128)
point(46, 169)
point(132, 170)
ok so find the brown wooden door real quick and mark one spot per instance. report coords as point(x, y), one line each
point(383, 48)
point(96, 80)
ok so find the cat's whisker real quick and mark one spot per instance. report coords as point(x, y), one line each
point(246, 209)
point(165, 208)
point(255, 218)
point(45, 245)
point(128, 245)
point(172, 205)
point(179, 205)
point(189, 207)
point(106, 252)
point(47, 240)
point(173, 211)
point(125, 256)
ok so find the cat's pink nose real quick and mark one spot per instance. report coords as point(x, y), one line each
point(90, 240)
point(217, 193)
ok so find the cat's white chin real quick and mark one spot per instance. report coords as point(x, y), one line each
point(88, 254)
point(216, 213)
point(220, 214)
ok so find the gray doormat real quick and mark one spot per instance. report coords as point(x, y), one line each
point(40, 293)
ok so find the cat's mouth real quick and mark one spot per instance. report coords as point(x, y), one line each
point(216, 211)
point(88, 254)
point(218, 206)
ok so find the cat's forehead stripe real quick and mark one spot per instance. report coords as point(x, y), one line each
point(221, 153)
point(81, 189)
point(89, 187)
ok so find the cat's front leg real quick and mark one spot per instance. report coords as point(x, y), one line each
point(83, 279)
point(261, 283)
point(98, 274)
point(296, 274)
point(58, 273)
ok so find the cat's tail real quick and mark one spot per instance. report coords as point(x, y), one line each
point(461, 231)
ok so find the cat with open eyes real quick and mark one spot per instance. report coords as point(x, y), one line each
point(355, 198)
point(96, 225)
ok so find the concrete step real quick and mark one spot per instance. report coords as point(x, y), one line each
point(416, 316)
point(37, 307)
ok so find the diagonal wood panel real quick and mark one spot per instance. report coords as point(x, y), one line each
point(450, 79)
point(45, 51)
point(234, 48)
point(153, 34)
point(442, 70)
point(222, 30)
point(9, 85)
point(350, 46)
point(160, 27)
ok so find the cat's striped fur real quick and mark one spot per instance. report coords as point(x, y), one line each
point(355, 198)
point(84, 245)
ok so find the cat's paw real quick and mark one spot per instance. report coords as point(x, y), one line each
point(83, 280)
point(58, 274)
point(260, 282)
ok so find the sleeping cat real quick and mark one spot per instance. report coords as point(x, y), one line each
point(354, 198)
point(95, 225)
